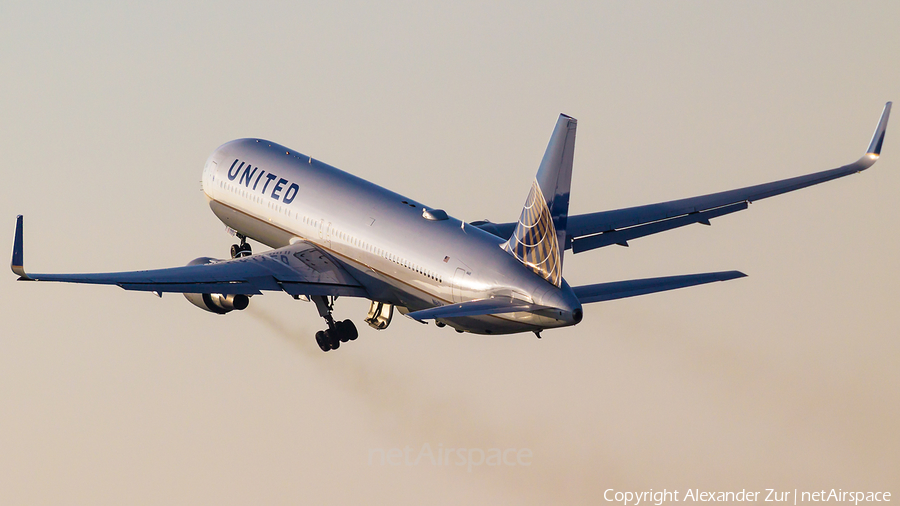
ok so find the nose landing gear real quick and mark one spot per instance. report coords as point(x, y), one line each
point(241, 250)
point(337, 332)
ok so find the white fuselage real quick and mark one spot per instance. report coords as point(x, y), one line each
point(278, 196)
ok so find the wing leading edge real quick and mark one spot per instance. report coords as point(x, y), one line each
point(594, 230)
point(298, 269)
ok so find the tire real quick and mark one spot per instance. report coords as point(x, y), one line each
point(324, 345)
point(333, 338)
point(235, 251)
point(346, 330)
point(341, 331)
point(350, 329)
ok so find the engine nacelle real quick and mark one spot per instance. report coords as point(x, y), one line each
point(216, 302)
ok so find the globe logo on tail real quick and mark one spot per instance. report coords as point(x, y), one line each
point(534, 241)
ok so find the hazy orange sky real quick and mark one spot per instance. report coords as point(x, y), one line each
point(785, 379)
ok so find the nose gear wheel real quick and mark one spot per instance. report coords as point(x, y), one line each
point(241, 250)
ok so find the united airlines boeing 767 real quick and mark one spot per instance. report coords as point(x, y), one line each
point(336, 235)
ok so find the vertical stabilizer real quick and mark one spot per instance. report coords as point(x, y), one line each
point(540, 234)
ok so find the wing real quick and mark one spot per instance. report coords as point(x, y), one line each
point(589, 231)
point(298, 269)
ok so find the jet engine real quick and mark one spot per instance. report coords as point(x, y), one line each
point(216, 302)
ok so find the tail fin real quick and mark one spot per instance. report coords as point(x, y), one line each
point(540, 236)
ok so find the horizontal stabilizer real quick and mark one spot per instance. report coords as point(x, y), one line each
point(632, 288)
point(476, 308)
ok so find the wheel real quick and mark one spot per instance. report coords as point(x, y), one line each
point(324, 345)
point(340, 331)
point(346, 330)
point(350, 329)
point(235, 251)
point(246, 250)
point(333, 338)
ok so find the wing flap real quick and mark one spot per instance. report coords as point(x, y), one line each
point(593, 223)
point(624, 235)
point(236, 288)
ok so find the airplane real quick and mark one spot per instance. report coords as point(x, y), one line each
point(335, 235)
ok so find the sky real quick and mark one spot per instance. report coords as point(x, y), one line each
point(786, 379)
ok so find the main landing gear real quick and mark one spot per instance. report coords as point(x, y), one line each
point(242, 249)
point(337, 332)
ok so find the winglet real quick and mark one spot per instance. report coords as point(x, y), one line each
point(878, 137)
point(17, 261)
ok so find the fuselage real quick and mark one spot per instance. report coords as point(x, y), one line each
point(401, 251)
